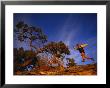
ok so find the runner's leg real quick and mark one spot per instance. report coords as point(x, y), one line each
point(83, 57)
point(89, 58)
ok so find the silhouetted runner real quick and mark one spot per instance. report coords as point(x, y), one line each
point(80, 47)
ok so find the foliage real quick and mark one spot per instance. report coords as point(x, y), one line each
point(33, 35)
point(71, 62)
point(23, 58)
point(57, 49)
point(34, 38)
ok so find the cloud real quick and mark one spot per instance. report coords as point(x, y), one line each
point(67, 33)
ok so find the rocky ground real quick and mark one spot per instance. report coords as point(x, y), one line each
point(90, 69)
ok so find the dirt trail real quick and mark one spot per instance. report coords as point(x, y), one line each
point(74, 70)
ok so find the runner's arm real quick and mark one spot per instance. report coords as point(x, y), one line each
point(84, 45)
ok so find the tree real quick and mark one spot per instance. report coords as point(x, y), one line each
point(24, 58)
point(34, 36)
point(58, 50)
point(71, 62)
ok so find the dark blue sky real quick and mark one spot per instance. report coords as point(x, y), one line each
point(71, 28)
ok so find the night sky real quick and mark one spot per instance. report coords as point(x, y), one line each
point(71, 28)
